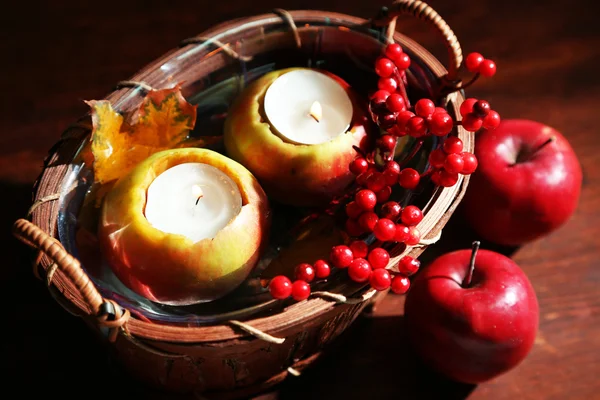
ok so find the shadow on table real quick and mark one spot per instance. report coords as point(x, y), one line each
point(373, 360)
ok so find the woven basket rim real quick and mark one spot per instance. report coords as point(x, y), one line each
point(443, 202)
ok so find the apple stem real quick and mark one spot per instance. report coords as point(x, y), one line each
point(526, 156)
point(467, 282)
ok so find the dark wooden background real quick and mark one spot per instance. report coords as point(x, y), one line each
point(57, 54)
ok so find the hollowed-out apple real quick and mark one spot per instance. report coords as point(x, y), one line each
point(295, 174)
point(170, 268)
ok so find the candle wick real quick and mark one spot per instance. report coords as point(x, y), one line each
point(197, 191)
point(316, 111)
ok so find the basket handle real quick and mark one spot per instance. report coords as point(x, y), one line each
point(424, 12)
point(34, 236)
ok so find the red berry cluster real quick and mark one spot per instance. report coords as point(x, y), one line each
point(449, 160)
point(370, 211)
point(363, 265)
point(477, 114)
point(475, 62)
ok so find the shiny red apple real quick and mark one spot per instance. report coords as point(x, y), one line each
point(527, 183)
point(472, 321)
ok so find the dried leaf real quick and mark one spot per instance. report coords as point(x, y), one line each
point(164, 121)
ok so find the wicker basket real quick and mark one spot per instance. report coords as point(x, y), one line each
point(233, 359)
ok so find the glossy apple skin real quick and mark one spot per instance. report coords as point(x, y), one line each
point(170, 268)
point(300, 175)
point(512, 204)
point(472, 334)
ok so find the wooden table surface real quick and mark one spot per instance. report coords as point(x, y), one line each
point(548, 53)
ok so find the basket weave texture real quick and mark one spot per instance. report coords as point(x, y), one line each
point(233, 359)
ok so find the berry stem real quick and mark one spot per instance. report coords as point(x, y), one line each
point(402, 90)
point(463, 86)
point(428, 172)
point(412, 153)
point(467, 282)
point(359, 151)
point(526, 156)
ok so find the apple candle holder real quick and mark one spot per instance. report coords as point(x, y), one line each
point(173, 347)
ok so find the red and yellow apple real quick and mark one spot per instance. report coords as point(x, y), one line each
point(171, 268)
point(295, 174)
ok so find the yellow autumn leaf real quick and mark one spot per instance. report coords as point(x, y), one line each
point(164, 120)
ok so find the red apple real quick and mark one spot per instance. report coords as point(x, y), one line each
point(472, 324)
point(527, 183)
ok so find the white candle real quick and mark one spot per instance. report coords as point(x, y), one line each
point(290, 99)
point(192, 199)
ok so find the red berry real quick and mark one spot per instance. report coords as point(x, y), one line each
point(447, 179)
point(435, 177)
point(402, 61)
point(454, 163)
point(414, 236)
point(402, 233)
point(481, 108)
point(491, 121)
point(359, 249)
point(305, 272)
point(380, 96)
point(359, 270)
point(376, 182)
point(280, 287)
point(487, 68)
point(353, 210)
point(387, 142)
point(322, 269)
point(409, 178)
point(400, 284)
point(361, 180)
point(359, 165)
point(300, 290)
point(411, 215)
point(441, 123)
point(473, 61)
point(377, 107)
point(452, 145)
point(384, 194)
point(440, 109)
point(395, 103)
point(408, 265)
point(469, 163)
point(393, 51)
point(384, 67)
point(466, 106)
point(390, 173)
point(387, 120)
point(368, 220)
point(403, 118)
point(341, 256)
point(384, 229)
point(391, 210)
point(366, 199)
point(416, 127)
point(424, 108)
point(387, 84)
point(380, 279)
point(472, 123)
point(353, 228)
point(437, 158)
point(379, 258)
